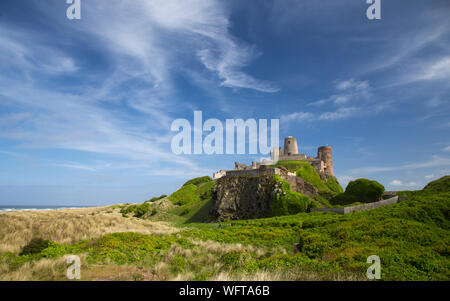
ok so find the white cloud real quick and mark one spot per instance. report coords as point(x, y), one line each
point(436, 70)
point(297, 116)
point(340, 113)
point(25, 52)
point(436, 161)
point(396, 183)
point(350, 90)
point(429, 176)
point(447, 149)
point(142, 43)
point(400, 183)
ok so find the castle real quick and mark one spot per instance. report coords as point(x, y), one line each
point(323, 163)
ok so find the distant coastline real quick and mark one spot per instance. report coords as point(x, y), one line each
point(11, 208)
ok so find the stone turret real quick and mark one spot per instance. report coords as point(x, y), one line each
point(290, 146)
point(324, 154)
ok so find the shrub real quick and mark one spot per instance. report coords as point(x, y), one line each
point(198, 181)
point(288, 202)
point(141, 210)
point(154, 199)
point(361, 190)
point(35, 246)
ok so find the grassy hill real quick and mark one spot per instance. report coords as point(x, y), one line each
point(412, 239)
point(309, 174)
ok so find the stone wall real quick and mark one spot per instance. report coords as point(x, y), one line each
point(369, 206)
point(253, 172)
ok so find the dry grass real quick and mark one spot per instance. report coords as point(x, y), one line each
point(69, 225)
point(44, 269)
point(286, 275)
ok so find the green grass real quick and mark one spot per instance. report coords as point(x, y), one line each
point(198, 181)
point(305, 170)
point(412, 239)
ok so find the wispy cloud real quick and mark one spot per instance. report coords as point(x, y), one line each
point(128, 112)
point(352, 99)
point(436, 161)
point(298, 117)
point(348, 91)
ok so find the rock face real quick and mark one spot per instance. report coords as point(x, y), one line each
point(250, 197)
point(242, 197)
point(300, 185)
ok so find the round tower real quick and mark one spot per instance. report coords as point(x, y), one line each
point(324, 154)
point(290, 146)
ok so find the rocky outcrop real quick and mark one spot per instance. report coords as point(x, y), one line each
point(243, 197)
point(251, 197)
point(301, 186)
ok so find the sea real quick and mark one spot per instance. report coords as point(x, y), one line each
point(6, 208)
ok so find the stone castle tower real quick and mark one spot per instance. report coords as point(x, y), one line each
point(290, 146)
point(323, 163)
point(324, 154)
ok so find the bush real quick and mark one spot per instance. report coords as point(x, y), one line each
point(154, 199)
point(288, 202)
point(141, 210)
point(35, 246)
point(361, 190)
point(198, 181)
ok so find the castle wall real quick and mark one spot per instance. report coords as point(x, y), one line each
point(298, 157)
point(252, 172)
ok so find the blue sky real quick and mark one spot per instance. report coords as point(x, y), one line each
point(86, 105)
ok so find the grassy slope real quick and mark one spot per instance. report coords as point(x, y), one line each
point(411, 238)
point(309, 174)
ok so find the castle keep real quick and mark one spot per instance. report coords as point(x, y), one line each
point(323, 163)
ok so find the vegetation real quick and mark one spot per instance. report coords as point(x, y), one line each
point(309, 174)
point(154, 199)
point(361, 190)
point(36, 245)
point(411, 238)
point(198, 181)
point(137, 210)
point(288, 202)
